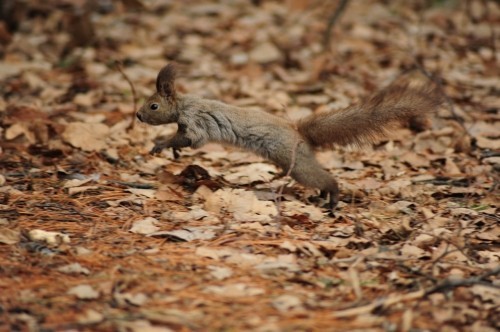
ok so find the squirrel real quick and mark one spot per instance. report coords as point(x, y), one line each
point(290, 145)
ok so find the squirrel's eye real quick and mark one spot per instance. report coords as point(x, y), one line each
point(154, 106)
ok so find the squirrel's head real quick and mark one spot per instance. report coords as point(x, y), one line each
point(161, 107)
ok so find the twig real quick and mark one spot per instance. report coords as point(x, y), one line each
point(354, 279)
point(447, 99)
point(449, 284)
point(393, 299)
point(390, 300)
point(446, 251)
point(416, 272)
point(439, 86)
point(331, 22)
point(134, 184)
point(132, 88)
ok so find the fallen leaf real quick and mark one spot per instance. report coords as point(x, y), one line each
point(74, 268)
point(188, 233)
point(145, 226)
point(137, 299)
point(77, 190)
point(234, 290)
point(292, 208)
point(243, 204)
point(254, 172)
point(415, 160)
point(143, 325)
point(411, 251)
point(463, 212)
point(76, 182)
point(286, 303)
point(265, 53)
point(90, 316)
point(195, 213)
point(87, 136)
point(485, 143)
point(84, 292)
point(9, 236)
point(19, 129)
point(220, 272)
point(369, 183)
point(401, 206)
point(215, 253)
point(53, 238)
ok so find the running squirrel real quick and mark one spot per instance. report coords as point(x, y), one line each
point(288, 144)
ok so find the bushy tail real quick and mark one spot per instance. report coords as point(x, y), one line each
point(371, 119)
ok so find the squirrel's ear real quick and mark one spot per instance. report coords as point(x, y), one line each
point(165, 81)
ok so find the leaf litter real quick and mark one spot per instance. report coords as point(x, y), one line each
point(96, 234)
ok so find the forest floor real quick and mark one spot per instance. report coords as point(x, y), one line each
point(98, 235)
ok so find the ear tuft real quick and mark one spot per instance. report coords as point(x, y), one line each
point(165, 82)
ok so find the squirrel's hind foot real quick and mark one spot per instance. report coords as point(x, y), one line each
point(176, 151)
point(332, 196)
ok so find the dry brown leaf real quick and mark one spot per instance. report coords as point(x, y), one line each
point(90, 316)
point(234, 290)
point(52, 238)
point(287, 303)
point(254, 172)
point(485, 143)
point(84, 292)
point(188, 234)
point(265, 53)
point(87, 136)
point(415, 160)
point(220, 273)
point(410, 251)
point(9, 236)
point(145, 226)
point(243, 204)
point(19, 129)
point(74, 268)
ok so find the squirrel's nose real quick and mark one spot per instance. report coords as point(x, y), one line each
point(139, 116)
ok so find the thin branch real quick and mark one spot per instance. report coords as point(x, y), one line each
point(136, 185)
point(393, 299)
point(132, 88)
point(450, 284)
point(385, 302)
point(438, 82)
point(439, 85)
point(331, 22)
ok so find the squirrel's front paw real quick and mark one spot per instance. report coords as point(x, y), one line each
point(157, 148)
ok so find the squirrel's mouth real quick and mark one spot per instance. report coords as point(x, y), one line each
point(148, 120)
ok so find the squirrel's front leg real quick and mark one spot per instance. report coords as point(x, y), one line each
point(178, 141)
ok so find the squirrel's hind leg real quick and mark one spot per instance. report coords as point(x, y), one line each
point(334, 199)
point(309, 172)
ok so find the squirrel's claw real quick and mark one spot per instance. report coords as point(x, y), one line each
point(176, 151)
point(157, 149)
